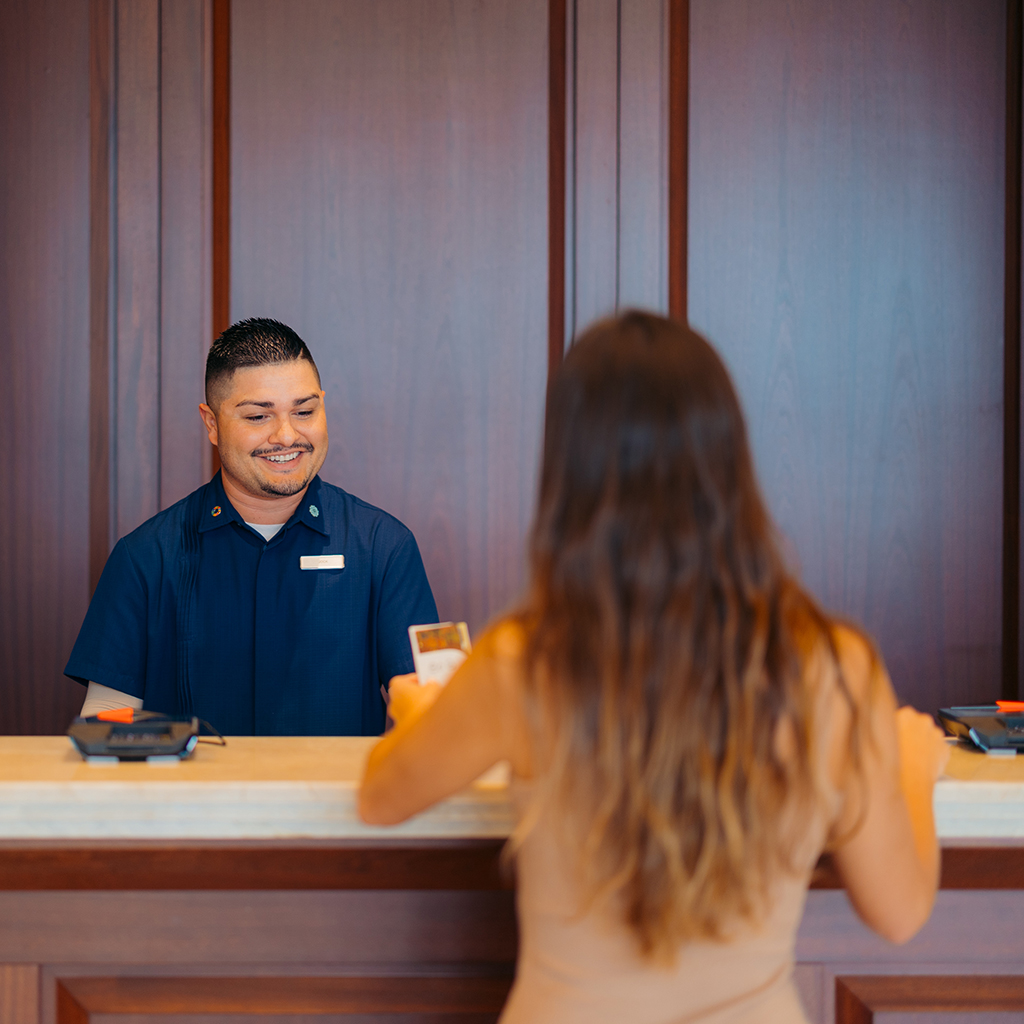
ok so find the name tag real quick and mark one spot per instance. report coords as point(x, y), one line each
point(321, 561)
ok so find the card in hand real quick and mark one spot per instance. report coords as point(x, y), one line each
point(439, 649)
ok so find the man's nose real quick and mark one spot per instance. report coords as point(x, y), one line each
point(284, 433)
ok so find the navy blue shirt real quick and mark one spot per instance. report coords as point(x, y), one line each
point(196, 613)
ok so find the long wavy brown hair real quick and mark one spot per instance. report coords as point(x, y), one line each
point(667, 645)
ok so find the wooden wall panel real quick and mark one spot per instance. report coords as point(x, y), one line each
point(389, 201)
point(617, 185)
point(846, 255)
point(186, 144)
point(595, 57)
point(643, 155)
point(44, 342)
point(137, 264)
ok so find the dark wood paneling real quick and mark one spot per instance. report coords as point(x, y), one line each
point(858, 999)
point(221, 60)
point(963, 867)
point(389, 200)
point(350, 864)
point(44, 342)
point(643, 154)
point(102, 246)
point(846, 255)
point(293, 926)
point(557, 143)
point(186, 140)
point(475, 999)
point(596, 162)
point(137, 374)
point(1012, 352)
point(617, 164)
point(678, 155)
point(457, 865)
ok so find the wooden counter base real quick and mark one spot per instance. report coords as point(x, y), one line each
point(241, 884)
point(408, 931)
point(447, 864)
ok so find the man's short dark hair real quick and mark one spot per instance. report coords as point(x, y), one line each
point(254, 342)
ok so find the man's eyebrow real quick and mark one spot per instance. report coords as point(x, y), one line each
point(270, 405)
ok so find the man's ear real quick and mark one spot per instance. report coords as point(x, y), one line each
point(209, 421)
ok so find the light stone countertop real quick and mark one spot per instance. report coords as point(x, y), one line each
point(257, 787)
point(273, 787)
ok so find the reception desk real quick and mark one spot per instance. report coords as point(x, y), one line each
point(241, 883)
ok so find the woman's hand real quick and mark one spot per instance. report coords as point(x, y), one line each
point(924, 751)
point(408, 698)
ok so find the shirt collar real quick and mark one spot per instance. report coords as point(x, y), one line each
point(310, 510)
point(218, 511)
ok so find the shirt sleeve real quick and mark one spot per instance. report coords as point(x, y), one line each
point(111, 645)
point(405, 600)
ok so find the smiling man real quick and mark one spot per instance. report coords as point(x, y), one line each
point(267, 601)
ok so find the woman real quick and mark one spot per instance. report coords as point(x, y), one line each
point(686, 730)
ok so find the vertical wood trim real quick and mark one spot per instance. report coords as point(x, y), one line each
point(556, 181)
point(1012, 358)
point(221, 165)
point(186, 291)
point(220, 303)
point(642, 173)
point(19, 994)
point(678, 154)
point(136, 376)
point(849, 1008)
point(101, 282)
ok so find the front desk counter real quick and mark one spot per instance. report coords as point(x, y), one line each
point(241, 883)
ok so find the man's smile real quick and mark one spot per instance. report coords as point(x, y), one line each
point(282, 457)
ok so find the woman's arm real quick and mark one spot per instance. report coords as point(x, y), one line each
point(444, 738)
point(890, 863)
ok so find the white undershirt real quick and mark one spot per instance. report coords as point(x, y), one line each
point(267, 532)
point(105, 698)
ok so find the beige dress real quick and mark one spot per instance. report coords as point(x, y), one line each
point(586, 970)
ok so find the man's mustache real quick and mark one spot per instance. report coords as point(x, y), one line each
point(305, 446)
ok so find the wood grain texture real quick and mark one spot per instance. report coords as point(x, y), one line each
point(858, 999)
point(186, 141)
point(389, 201)
point(976, 929)
point(44, 340)
point(678, 156)
point(19, 993)
point(963, 867)
point(1012, 353)
point(457, 996)
point(102, 35)
point(595, 290)
point(221, 169)
point(846, 256)
point(557, 146)
point(269, 926)
point(463, 865)
point(456, 865)
point(643, 154)
point(137, 318)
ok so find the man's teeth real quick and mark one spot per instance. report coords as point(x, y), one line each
point(283, 458)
